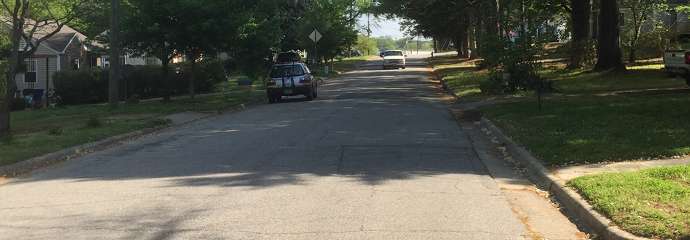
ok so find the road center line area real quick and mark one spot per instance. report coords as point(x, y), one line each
point(376, 156)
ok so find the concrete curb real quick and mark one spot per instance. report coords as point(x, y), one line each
point(444, 84)
point(569, 199)
point(36, 163)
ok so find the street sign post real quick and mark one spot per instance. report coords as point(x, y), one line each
point(315, 37)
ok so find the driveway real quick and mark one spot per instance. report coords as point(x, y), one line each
point(377, 156)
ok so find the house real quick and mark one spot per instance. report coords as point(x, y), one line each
point(67, 50)
point(63, 51)
point(679, 20)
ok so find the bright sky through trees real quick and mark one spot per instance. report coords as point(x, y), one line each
point(381, 27)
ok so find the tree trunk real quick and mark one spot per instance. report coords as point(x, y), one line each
point(165, 69)
point(610, 56)
point(435, 46)
point(5, 109)
point(114, 80)
point(164, 57)
point(491, 18)
point(192, 78)
point(461, 42)
point(632, 58)
point(637, 29)
point(14, 62)
point(580, 13)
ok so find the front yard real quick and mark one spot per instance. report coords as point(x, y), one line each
point(583, 130)
point(652, 203)
point(38, 132)
point(640, 114)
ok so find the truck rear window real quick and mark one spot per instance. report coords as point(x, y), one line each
point(287, 71)
point(392, 53)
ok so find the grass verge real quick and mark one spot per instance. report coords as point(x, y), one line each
point(651, 203)
point(39, 132)
point(350, 64)
point(649, 76)
point(461, 76)
point(598, 129)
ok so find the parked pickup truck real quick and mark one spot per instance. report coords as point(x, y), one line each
point(677, 62)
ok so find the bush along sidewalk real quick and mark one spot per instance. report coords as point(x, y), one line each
point(91, 86)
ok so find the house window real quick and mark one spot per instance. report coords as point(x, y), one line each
point(30, 74)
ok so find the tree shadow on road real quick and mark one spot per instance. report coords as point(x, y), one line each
point(370, 127)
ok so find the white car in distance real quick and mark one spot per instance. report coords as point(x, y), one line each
point(394, 59)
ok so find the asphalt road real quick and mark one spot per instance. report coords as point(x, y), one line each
point(377, 156)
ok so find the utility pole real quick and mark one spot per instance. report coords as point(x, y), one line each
point(114, 81)
point(418, 44)
point(368, 31)
point(368, 24)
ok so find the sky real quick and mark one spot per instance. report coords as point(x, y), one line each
point(383, 27)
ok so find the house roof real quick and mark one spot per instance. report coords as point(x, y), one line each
point(61, 40)
point(58, 42)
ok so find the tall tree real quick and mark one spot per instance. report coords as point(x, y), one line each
point(610, 56)
point(30, 24)
point(115, 53)
point(639, 13)
point(149, 26)
point(208, 27)
point(331, 18)
point(580, 11)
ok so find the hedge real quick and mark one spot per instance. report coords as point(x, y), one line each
point(91, 86)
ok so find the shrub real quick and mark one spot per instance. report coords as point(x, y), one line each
point(146, 81)
point(91, 86)
point(208, 74)
point(82, 87)
point(514, 66)
point(17, 104)
point(493, 85)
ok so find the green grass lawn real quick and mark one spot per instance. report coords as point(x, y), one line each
point(38, 132)
point(350, 64)
point(649, 76)
point(461, 76)
point(581, 130)
point(464, 78)
point(651, 203)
